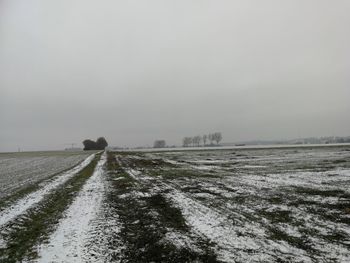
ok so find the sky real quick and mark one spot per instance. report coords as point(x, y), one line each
point(136, 71)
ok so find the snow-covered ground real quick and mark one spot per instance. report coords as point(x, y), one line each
point(266, 205)
point(68, 242)
point(17, 170)
point(18, 208)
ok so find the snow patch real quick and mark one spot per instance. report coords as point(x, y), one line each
point(67, 243)
point(28, 201)
point(230, 245)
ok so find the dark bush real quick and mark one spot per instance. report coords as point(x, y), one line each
point(100, 144)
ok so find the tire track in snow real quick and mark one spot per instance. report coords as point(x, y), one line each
point(67, 243)
point(210, 223)
point(28, 201)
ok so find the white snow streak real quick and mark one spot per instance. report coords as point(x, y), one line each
point(67, 243)
point(28, 201)
point(229, 246)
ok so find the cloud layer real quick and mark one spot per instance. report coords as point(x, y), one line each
point(136, 71)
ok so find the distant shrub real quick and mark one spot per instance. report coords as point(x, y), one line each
point(159, 144)
point(100, 144)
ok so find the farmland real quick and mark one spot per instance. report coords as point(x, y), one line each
point(20, 170)
point(232, 205)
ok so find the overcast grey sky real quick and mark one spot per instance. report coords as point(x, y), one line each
point(135, 71)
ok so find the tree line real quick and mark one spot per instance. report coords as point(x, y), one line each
point(198, 140)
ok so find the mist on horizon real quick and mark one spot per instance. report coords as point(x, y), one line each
point(136, 71)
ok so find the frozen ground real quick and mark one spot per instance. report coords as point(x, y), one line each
point(27, 220)
point(67, 243)
point(19, 207)
point(267, 205)
point(18, 170)
point(253, 205)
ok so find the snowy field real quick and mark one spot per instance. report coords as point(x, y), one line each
point(230, 205)
point(18, 170)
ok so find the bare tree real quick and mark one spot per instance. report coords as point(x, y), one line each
point(190, 140)
point(211, 138)
point(197, 140)
point(186, 141)
point(217, 137)
point(204, 139)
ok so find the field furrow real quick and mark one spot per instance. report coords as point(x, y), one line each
point(290, 206)
point(26, 232)
point(254, 205)
point(68, 242)
point(22, 205)
point(22, 172)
